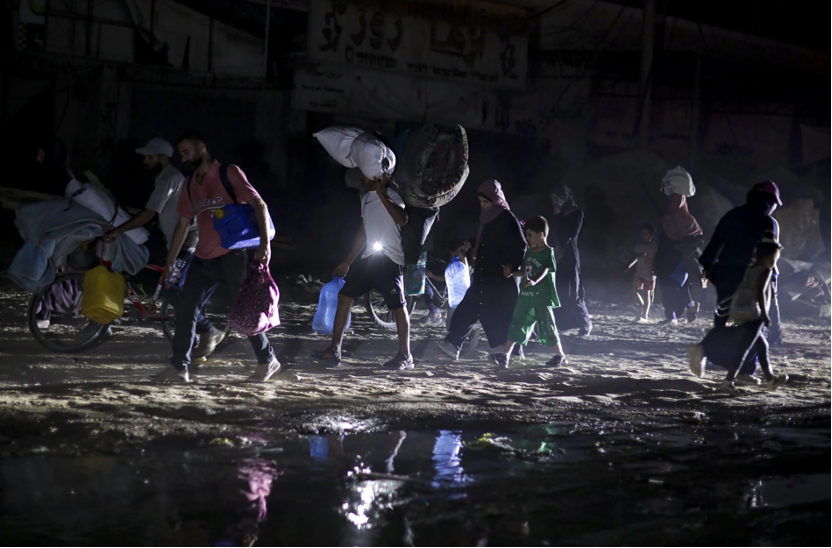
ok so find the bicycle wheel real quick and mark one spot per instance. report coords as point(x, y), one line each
point(218, 319)
point(382, 315)
point(61, 326)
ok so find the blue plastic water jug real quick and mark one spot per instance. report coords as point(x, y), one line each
point(324, 320)
point(457, 280)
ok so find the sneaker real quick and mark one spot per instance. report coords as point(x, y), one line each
point(500, 359)
point(265, 371)
point(747, 380)
point(557, 361)
point(728, 387)
point(207, 343)
point(673, 323)
point(584, 332)
point(400, 362)
point(171, 374)
point(434, 317)
point(775, 382)
point(692, 312)
point(696, 358)
point(449, 349)
point(43, 324)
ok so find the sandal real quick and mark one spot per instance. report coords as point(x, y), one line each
point(328, 354)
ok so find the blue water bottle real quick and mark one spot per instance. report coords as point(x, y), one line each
point(457, 280)
point(324, 320)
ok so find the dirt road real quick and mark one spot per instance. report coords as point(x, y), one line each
point(627, 375)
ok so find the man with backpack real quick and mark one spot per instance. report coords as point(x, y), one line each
point(212, 186)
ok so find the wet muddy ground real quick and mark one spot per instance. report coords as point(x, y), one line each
point(620, 446)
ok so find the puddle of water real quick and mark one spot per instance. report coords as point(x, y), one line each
point(791, 491)
point(538, 485)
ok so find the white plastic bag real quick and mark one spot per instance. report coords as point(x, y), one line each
point(678, 181)
point(95, 198)
point(372, 156)
point(353, 147)
point(337, 140)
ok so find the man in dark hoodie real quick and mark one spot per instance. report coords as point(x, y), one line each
point(729, 252)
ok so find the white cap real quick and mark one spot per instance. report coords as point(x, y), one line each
point(156, 146)
point(372, 156)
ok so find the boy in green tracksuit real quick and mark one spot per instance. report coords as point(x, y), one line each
point(538, 296)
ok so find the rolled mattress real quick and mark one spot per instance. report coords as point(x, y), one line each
point(433, 165)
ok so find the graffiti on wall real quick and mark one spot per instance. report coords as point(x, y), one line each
point(423, 38)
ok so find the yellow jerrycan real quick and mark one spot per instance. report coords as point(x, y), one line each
point(103, 297)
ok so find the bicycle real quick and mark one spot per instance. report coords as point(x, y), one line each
point(64, 329)
point(384, 317)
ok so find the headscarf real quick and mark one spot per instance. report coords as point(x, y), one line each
point(677, 221)
point(493, 192)
point(564, 192)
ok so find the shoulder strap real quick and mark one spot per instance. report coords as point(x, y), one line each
point(226, 183)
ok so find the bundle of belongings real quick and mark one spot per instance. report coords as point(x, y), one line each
point(430, 165)
point(55, 233)
point(678, 181)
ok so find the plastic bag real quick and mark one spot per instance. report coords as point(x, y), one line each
point(255, 310)
point(372, 156)
point(337, 141)
point(353, 147)
point(678, 181)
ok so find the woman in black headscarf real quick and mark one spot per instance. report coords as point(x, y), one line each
point(492, 295)
point(566, 225)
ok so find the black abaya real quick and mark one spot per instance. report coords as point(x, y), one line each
point(572, 313)
point(492, 296)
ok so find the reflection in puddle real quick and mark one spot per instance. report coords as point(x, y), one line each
point(783, 492)
point(542, 485)
point(446, 459)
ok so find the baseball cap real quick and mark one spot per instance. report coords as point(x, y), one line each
point(156, 146)
point(769, 187)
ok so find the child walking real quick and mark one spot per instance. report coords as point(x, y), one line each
point(730, 345)
point(538, 297)
point(644, 278)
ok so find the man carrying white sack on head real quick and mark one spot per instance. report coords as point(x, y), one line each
point(380, 264)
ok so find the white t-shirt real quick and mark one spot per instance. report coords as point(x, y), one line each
point(163, 201)
point(380, 227)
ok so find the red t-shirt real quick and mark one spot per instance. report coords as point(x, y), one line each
point(204, 198)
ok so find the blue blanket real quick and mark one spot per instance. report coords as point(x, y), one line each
point(52, 229)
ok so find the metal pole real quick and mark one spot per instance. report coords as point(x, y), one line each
point(152, 19)
point(642, 131)
point(211, 44)
point(266, 49)
point(88, 46)
point(694, 113)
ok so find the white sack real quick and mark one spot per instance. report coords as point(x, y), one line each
point(95, 198)
point(337, 140)
point(372, 156)
point(678, 181)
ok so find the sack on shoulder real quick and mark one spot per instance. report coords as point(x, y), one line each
point(255, 310)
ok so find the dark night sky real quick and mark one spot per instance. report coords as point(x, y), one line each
point(801, 23)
